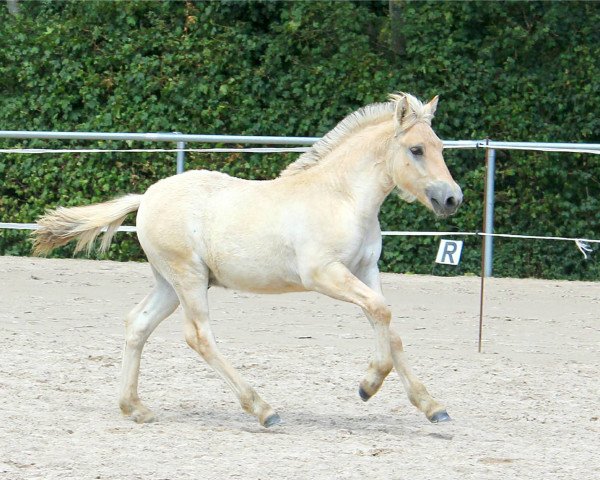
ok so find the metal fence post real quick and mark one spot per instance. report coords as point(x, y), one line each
point(489, 210)
point(488, 227)
point(180, 157)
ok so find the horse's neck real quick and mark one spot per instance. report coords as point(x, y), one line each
point(357, 167)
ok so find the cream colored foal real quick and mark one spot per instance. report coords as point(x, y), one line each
point(315, 227)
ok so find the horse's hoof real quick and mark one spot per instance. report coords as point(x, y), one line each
point(272, 420)
point(143, 416)
point(440, 417)
point(363, 394)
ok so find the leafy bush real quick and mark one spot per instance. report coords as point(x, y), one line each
point(519, 71)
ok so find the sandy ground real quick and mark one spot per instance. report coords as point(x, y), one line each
point(528, 407)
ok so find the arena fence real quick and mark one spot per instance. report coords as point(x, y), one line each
point(301, 144)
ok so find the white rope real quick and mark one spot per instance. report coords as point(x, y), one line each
point(425, 234)
point(482, 234)
point(131, 228)
point(537, 237)
point(581, 243)
point(35, 226)
point(19, 226)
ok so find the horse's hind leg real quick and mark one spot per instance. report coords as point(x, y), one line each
point(141, 322)
point(192, 288)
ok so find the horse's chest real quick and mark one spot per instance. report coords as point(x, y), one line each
point(355, 246)
point(365, 254)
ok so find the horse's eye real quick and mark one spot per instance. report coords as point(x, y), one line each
point(417, 151)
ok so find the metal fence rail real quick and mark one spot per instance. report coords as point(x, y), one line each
point(160, 137)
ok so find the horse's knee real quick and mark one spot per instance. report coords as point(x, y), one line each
point(384, 314)
point(380, 311)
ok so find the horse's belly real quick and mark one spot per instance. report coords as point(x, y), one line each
point(254, 275)
point(256, 263)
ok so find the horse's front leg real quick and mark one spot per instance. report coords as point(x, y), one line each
point(416, 391)
point(338, 282)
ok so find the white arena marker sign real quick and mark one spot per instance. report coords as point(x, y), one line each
point(449, 252)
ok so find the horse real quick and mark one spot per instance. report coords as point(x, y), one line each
point(313, 228)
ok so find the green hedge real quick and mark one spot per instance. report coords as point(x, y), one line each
point(520, 71)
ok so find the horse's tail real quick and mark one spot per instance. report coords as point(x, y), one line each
point(60, 226)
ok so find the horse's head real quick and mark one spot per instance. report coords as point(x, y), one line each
point(416, 164)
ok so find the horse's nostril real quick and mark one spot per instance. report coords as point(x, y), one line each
point(451, 202)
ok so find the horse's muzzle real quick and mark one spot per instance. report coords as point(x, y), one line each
point(445, 198)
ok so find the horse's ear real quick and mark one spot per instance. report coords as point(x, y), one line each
point(432, 105)
point(402, 109)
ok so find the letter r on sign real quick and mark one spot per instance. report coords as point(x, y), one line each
point(449, 252)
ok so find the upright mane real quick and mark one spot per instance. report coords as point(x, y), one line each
point(355, 121)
